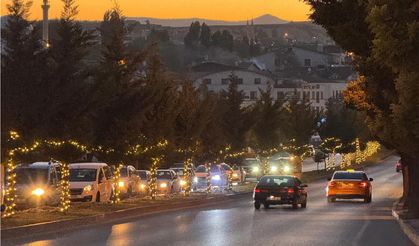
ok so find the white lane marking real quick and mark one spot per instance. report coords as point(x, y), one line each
point(360, 233)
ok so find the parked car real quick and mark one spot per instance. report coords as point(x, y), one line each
point(145, 177)
point(92, 182)
point(181, 174)
point(167, 181)
point(398, 166)
point(200, 179)
point(227, 168)
point(238, 174)
point(129, 182)
point(277, 190)
point(37, 183)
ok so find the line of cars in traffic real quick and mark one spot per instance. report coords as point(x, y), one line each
point(288, 189)
point(38, 183)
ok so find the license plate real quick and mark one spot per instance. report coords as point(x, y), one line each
point(274, 198)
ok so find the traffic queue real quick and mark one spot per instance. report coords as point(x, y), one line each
point(38, 183)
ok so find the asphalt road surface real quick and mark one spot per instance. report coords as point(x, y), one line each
point(238, 223)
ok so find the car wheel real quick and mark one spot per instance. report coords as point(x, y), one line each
point(129, 191)
point(304, 204)
point(257, 205)
point(331, 199)
point(97, 197)
point(266, 205)
point(368, 199)
point(294, 204)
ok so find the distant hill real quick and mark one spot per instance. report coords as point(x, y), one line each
point(261, 20)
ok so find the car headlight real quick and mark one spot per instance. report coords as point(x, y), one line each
point(255, 169)
point(287, 169)
point(163, 185)
point(38, 192)
point(195, 179)
point(142, 186)
point(291, 158)
point(87, 188)
point(274, 169)
point(216, 177)
point(235, 175)
point(121, 184)
point(182, 182)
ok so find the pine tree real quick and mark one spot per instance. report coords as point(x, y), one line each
point(192, 37)
point(22, 71)
point(205, 37)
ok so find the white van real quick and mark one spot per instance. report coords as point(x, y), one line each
point(90, 182)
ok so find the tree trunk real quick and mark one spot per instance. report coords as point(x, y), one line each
point(412, 196)
point(405, 172)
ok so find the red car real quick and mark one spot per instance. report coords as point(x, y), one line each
point(398, 166)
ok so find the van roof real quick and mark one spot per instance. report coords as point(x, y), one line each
point(88, 165)
point(39, 164)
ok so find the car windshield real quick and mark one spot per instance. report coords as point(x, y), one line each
point(179, 171)
point(215, 169)
point(31, 175)
point(226, 167)
point(82, 175)
point(235, 167)
point(277, 181)
point(164, 175)
point(143, 175)
point(350, 175)
point(124, 172)
point(201, 169)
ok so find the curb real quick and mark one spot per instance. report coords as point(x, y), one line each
point(406, 228)
point(52, 227)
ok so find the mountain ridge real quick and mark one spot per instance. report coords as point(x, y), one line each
point(265, 19)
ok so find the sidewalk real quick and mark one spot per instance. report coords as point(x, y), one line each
point(409, 226)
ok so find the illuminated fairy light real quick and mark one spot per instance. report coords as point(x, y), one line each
point(187, 174)
point(10, 193)
point(116, 189)
point(208, 171)
point(65, 188)
point(153, 180)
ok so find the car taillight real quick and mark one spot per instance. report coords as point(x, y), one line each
point(290, 191)
point(257, 191)
point(363, 184)
point(332, 184)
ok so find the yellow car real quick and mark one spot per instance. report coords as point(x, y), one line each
point(349, 184)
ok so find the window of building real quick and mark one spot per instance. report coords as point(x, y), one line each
point(206, 81)
point(312, 95)
point(317, 97)
point(280, 95)
point(239, 81)
point(307, 62)
point(253, 95)
point(225, 81)
point(258, 81)
point(321, 95)
point(298, 95)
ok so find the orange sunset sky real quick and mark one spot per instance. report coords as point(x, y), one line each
point(294, 10)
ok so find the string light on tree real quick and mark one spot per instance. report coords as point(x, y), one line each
point(65, 187)
point(116, 189)
point(153, 181)
point(186, 166)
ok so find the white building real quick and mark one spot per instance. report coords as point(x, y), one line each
point(217, 78)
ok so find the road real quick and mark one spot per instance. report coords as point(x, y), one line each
point(238, 223)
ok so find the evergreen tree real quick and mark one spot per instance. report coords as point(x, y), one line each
point(192, 37)
point(205, 37)
point(22, 71)
point(234, 120)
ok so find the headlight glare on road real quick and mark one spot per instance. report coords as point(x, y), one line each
point(163, 185)
point(274, 169)
point(38, 192)
point(182, 183)
point(216, 177)
point(121, 184)
point(255, 169)
point(287, 169)
point(87, 188)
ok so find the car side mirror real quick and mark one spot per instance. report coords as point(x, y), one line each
point(303, 186)
point(371, 179)
point(329, 178)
